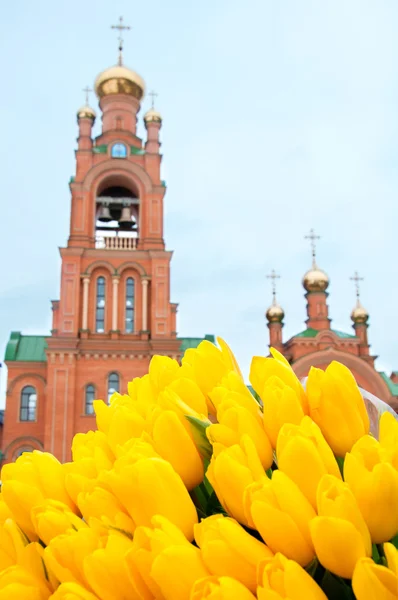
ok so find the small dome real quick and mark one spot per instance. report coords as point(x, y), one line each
point(152, 116)
point(86, 112)
point(359, 314)
point(315, 280)
point(275, 313)
point(119, 80)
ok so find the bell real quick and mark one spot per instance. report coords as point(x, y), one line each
point(104, 214)
point(125, 218)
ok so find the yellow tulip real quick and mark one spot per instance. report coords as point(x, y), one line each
point(176, 569)
point(72, 591)
point(105, 570)
point(5, 512)
point(51, 518)
point(220, 588)
point(65, 554)
point(374, 483)
point(101, 504)
point(26, 483)
point(148, 543)
point(376, 581)
point(162, 371)
point(263, 369)
point(305, 456)
point(190, 394)
point(233, 391)
point(122, 420)
point(339, 533)
point(227, 549)
point(281, 404)
point(284, 579)
point(282, 515)
point(12, 543)
point(17, 584)
point(148, 487)
point(233, 423)
point(230, 471)
point(336, 405)
point(80, 476)
point(93, 444)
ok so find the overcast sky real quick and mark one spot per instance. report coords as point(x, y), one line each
point(279, 116)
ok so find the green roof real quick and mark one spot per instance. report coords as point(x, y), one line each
point(101, 149)
point(310, 333)
point(393, 387)
point(26, 348)
point(193, 342)
point(135, 150)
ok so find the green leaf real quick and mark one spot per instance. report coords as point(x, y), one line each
point(394, 541)
point(198, 428)
point(336, 588)
point(340, 462)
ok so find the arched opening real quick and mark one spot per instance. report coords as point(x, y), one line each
point(113, 384)
point(129, 305)
point(117, 214)
point(27, 410)
point(89, 399)
point(100, 305)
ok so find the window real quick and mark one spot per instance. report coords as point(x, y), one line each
point(90, 393)
point(27, 411)
point(20, 451)
point(100, 307)
point(119, 151)
point(113, 384)
point(129, 316)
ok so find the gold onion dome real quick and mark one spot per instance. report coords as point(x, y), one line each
point(275, 313)
point(119, 80)
point(359, 314)
point(86, 112)
point(315, 280)
point(152, 116)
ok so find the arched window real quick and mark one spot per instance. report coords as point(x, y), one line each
point(27, 411)
point(89, 399)
point(113, 384)
point(20, 451)
point(119, 151)
point(129, 315)
point(100, 306)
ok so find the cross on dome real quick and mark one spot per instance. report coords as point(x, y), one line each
point(313, 237)
point(120, 27)
point(153, 96)
point(273, 276)
point(356, 278)
point(87, 90)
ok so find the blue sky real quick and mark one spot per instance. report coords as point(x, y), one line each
point(278, 117)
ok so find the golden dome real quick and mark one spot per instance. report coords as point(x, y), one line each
point(152, 116)
point(119, 80)
point(315, 280)
point(359, 314)
point(275, 313)
point(86, 112)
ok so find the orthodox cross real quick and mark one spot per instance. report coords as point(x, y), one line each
point(357, 279)
point(313, 237)
point(87, 90)
point(153, 96)
point(121, 27)
point(273, 276)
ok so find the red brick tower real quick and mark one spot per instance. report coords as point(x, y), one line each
point(319, 344)
point(114, 311)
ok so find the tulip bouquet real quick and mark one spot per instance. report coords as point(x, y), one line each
point(195, 488)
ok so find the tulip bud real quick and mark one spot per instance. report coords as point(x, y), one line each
point(105, 572)
point(51, 518)
point(281, 404)
point(336, 405)
point(26, 483)
point(374, 483)
point(101, 504)
point(93, 444)
point(121, 421)
point(232, 391)
point(220, 588)
point(263, 369)
point(16, 584)
point(282, 515)
point(280, 579)
point(162, 371)
point(376, 581)
point(176, 569)
point(150, 486)
point(189, 393)
point(233, 423)
point(227, 549)
point(339, 533)
point(305, 456)
point(12, 543)
point(230, 471)
point(65, 555)
point(72, 591)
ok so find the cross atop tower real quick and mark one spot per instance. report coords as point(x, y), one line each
point(153, 96)
point(87, 91)
point(121, 27)
point(273, 276)
point(313, 237)
point(356, 278)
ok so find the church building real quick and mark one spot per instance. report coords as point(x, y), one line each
point(114, 311)
point(319, 344)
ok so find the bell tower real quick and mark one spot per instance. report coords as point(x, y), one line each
point(114, 310)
